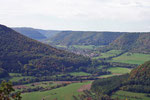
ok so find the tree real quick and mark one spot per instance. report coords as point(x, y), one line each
point(7, 92)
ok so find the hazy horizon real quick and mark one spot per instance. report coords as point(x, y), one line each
point(77, 15)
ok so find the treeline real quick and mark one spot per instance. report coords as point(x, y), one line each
point(107, 86)
point(41, 89)
point(66, 77)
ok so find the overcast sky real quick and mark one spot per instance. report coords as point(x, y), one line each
point(94, 15)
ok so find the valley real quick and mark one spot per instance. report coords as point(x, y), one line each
point(69, 65)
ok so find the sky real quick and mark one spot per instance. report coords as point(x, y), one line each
point(84, 15)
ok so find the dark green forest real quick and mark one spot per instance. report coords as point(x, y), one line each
point(21, 54)
point(137, 81)
point(133, 42)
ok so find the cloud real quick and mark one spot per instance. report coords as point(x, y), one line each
point(57, 12)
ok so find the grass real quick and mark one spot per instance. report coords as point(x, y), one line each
point(61, 46)
point(123, 95)
point(80, 74)
point(62, 93)
point(119, 70)
point(105, 76)
point(109, 54)
point(116, 71)
point(132, 58)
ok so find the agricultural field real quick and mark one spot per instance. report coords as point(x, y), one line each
point(109, 54)
point(123, 95)
point(119, 70)
point(132, 58)
point(62, 93)
point(106, 76)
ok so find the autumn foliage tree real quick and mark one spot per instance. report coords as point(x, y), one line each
point(7, 92)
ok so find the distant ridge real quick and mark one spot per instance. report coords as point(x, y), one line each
point(134, 42)
point(30, 32)
point(84, 38)
point(37, 34)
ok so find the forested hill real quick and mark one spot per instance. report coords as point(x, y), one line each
point(135, 42)
point(137, 81)
point(30, 32)
point(142, 72)
point(84, 38)
point(19, 53)
point(37, 34)
point(48, 33)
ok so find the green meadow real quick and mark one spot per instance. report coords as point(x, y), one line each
point(61, 46)
point(124, 95)
point(132, 58)
point(109, 54)
point(106, 76)
point(62, 93)
point(119, 70)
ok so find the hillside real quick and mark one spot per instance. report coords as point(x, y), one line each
point(3, 73)
point(138, 81)
point(134, 42)
point(31, 33)
point(21, 54)
point(84, 38)
point(48, 33)
point(37, 34)
point(142, 72)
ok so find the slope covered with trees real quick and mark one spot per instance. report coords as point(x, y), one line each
point(137, 81)
point(31, 33)
point(21, 54)
point(37, 34)
point(142, 72)
point(48, 33)
point(3, 73)
point(84, 38)
point(134, 42)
